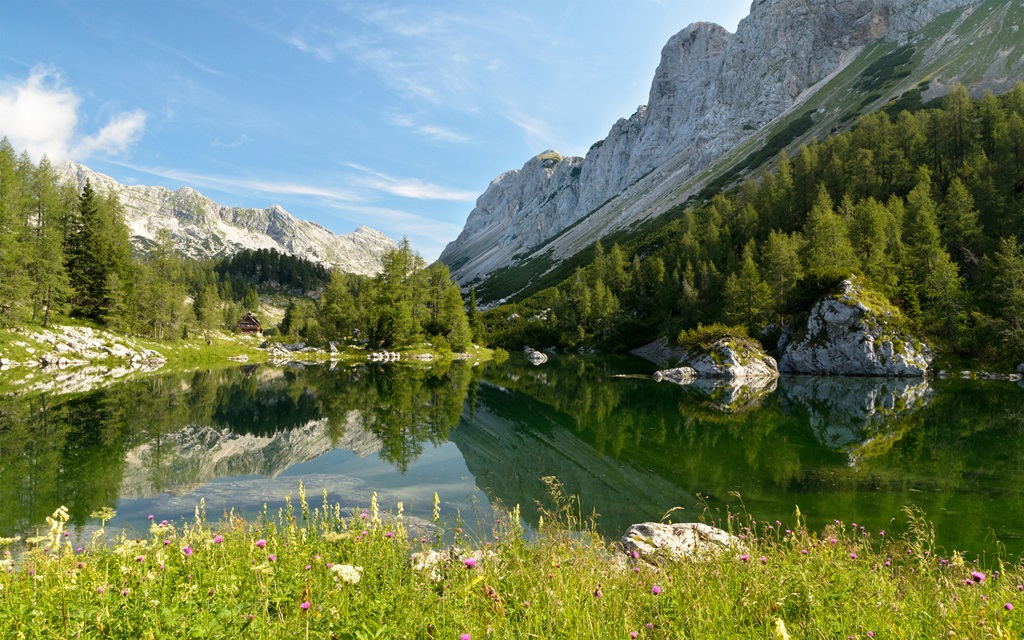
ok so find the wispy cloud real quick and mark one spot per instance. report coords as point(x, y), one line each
point(40, 115)
point(430, 131)
point(244, 186)
point(409, 187)
point(242, 139)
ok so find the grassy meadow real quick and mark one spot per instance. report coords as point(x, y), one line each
point(315, 572)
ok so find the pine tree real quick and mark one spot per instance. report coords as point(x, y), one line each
point(15, 281)
point(51, 287)
point(748, 298)
point(828, 240)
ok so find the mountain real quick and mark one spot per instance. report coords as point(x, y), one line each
point(201, 228)
point(721, 105)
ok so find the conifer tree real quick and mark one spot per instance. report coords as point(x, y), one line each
point(747, 297)
point(828, 240)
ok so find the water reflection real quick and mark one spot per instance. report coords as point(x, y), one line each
point(632, 449)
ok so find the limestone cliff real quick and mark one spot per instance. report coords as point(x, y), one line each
point(715, 94)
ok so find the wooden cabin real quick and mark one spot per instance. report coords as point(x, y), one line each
point(249, 324)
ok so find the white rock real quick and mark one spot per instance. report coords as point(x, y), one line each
point(847, 338)
point(686, 539)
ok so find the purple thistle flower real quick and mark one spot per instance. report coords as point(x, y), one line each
point(125, 592)
point(140, 559)
point(80, 565)
point(977, 576)
point(465, 636)
point(150, 516)
point(218, 539)
point(272, 558)
point(389, 535)
point(364, 515)
point(305, 605)
point(187, 551)
point(167, 541)
point(261, 543)
point(745, 558)
point(470, 563)
point(633, 634)
point(804, 551)
point(99, 589)
point(1008, 606)
point(597, 592)
point(656, 590)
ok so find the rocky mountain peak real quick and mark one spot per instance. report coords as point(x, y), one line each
point(711, 91)
point(202, 228)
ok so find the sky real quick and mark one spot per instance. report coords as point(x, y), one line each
point(391, 114)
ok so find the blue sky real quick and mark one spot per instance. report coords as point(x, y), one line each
point(394, 115)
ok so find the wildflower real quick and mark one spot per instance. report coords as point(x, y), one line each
point(308, 567)
point(526, 604)
point(977, 576)
point(650, 625)
point(832, 540)
point(464, 636)
point(871, 634)
point(389, 535)
point(597, 592)
point(656, 590)
point(803, 551)
point(1008, 606)
point(635, 554)
point(272, 558)
point(763, 560)
point(218, 539)
point(745, 558)
point(140, 559)
point(125, 592)
point(151, 516)
point(881, 534)
point(305, 605)
point(99, 590)
point(633, 634)
point(888, 562)
point(187, 551)
point(470, 563)
point(853, 556)
point(80, 565)
point(261, 543)
point(167, 541)
point(364, 515)
point(348, 573)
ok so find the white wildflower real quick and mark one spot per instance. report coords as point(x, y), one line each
point(348, 573)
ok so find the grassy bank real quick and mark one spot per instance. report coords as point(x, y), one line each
point(312, 571)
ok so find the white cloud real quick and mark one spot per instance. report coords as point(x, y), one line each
point(40, 116)
point(123, 131)
point(410, 187)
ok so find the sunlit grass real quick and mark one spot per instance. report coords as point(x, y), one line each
point(316, 572)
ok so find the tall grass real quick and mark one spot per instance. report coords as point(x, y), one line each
point(316, 572)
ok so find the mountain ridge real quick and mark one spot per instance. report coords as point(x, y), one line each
point(202, 228)
point(717, 97)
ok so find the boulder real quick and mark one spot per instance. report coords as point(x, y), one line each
point(853, 332)
point(736, 359)
point(676, 541)
point(1020, 368)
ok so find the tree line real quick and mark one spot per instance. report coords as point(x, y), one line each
point(927, 206)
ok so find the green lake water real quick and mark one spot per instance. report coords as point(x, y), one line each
point(856, 450)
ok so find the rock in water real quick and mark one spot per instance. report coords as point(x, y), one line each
point(736, 359)
point(853, 332)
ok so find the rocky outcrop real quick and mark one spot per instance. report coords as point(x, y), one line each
point(855, 333)
point(738, 360)
point(675, 541)
point(711, 91)
point(201, 228)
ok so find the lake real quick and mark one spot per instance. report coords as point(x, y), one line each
point(856, 450)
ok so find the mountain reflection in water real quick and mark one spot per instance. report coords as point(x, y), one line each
point(631, 449)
